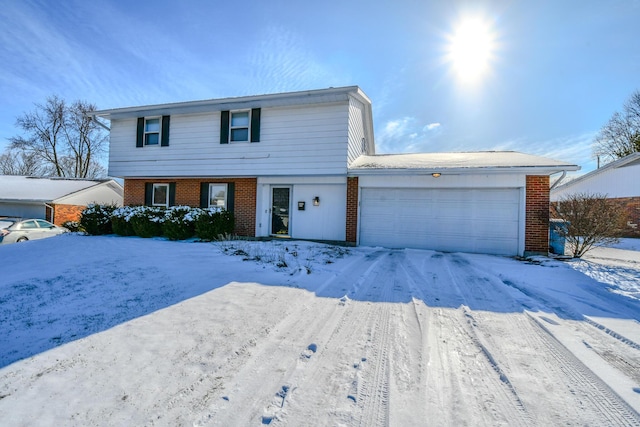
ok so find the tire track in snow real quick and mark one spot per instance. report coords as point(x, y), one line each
point(474, 291)
point(316, 322)
point(591, 388)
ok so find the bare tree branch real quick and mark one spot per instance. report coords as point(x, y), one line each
point(621, 135)
point(65, 140)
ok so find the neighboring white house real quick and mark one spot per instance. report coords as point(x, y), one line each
point(618, 180)
point(54, 199)
point(303, 165)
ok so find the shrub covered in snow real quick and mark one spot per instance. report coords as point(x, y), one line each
point(179, 222)
point(147, 220)
point(96, 219)
point(211, 223)
point(73, 226)
point(120, 221)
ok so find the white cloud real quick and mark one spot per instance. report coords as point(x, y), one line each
point(406, 135)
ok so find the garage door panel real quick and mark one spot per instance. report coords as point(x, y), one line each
point(466, 220)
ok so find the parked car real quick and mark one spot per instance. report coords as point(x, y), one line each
point(14, 230)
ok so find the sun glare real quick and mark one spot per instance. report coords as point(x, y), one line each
point(471, 49)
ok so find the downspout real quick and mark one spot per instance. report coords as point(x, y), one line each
point(555, 184)
point(102, 125)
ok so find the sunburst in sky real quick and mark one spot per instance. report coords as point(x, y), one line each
point(471, 49)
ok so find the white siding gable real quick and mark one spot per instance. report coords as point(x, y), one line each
point(301, 140)
point(614, 183)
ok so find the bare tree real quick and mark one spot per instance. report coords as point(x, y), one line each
point(14, 162)
point(621, 135)
point(65, 140)
point(588, 220)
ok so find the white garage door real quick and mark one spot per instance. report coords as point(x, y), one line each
point(464, 220)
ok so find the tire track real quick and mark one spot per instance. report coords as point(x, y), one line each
point(591, 388)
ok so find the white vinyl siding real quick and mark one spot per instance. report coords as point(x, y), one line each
point(305, 140)
point(356, 130)
point(461, 220)
point(615, 183)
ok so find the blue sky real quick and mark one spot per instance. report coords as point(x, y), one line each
point(557, 71)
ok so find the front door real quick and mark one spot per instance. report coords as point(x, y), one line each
point(280, 202)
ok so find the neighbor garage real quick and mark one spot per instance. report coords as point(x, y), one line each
point(467, 220)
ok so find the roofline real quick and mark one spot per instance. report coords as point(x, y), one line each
point(299, 98)
point(82, 190)
point(529, 170)
point(27, 201)
point(613, 165)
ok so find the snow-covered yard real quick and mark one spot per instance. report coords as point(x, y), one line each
point(127, 331)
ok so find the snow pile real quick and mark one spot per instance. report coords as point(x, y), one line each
point(128, 331)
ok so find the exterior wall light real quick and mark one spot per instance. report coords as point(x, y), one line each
point(436, 174)
point(316, 201)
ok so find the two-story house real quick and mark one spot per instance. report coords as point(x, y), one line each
point(303, 165)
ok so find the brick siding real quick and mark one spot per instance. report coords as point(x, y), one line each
point(352, 209)
point(64, 213)
point(188, 194)
point(536, 240)
point(632, 207)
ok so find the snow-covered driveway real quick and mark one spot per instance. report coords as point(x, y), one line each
point(301, 334)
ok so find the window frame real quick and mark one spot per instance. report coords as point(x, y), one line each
point(153, 194)
point(145, 132)
point(226, 194)
point(247, 127)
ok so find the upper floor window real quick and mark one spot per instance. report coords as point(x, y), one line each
point(239, 126)
point(218, 196)
point(160, 195)
point(152, 131)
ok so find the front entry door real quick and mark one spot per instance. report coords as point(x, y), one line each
point(280, 202)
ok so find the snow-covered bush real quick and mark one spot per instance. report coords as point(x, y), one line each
point(179, 222)
point(146, 220)
point(73, 226)
point(120, 221)
point(96, 219)
point(211, 223)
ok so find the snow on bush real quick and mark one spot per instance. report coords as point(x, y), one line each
point(96, 219)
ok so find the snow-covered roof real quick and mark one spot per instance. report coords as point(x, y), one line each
point(460, 162)
point(34, 189)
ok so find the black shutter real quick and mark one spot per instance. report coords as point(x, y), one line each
point(148, 193)
point(224, 127)
point(140, 132)
point(172, 194)
point(255, 125)
point(204, 194)
point(231, 195)
point(165, 131)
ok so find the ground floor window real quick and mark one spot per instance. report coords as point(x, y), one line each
point(218, 196)
point(160, 195)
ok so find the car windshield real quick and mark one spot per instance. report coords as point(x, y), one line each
point(6, 224)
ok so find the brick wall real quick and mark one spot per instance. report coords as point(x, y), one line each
point(188, 194)
point(63, 213)
point(632, 207)
point(536, 240)
point(352, 209)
